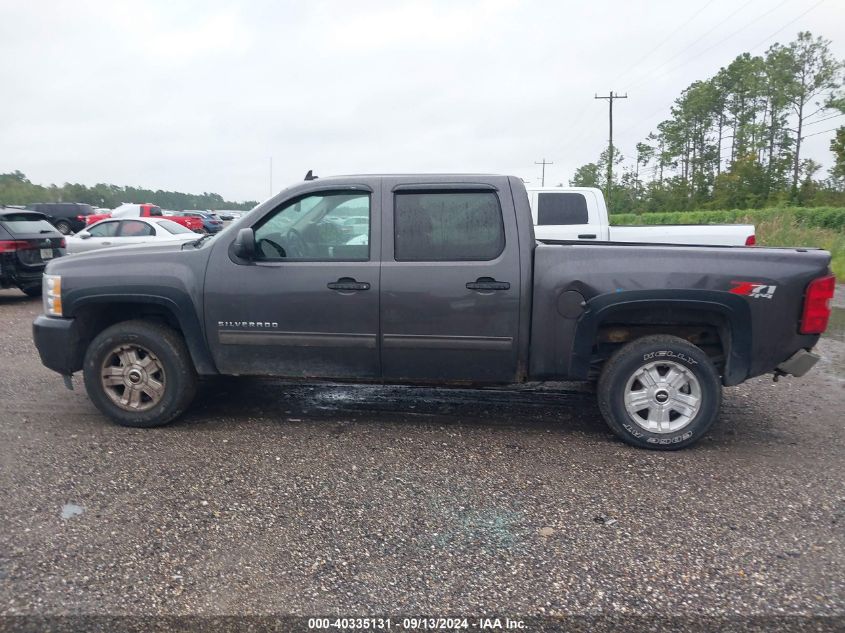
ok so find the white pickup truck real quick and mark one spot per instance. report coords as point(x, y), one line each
point(579, 213)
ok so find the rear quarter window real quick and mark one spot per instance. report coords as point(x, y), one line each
point(561, 208)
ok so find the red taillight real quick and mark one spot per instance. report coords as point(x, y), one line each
point(10, 246)
point(81, 218)
point(62, 243)
point(817, 305)
point(751, 240)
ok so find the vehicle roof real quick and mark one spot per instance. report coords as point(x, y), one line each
point(10, 210)
point(357, 179)
point(152, 220)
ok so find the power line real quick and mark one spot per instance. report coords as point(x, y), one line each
point(662, 108)
point(817, 133)
point(688, 47)
point(724, 39)
point(673, 32)
point(790, 23)
point(827, 118)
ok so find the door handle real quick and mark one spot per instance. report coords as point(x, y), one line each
point(348, 284)
point(587, 236)
point(488, 283)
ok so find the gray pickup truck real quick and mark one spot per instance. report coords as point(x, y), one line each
point(432, 279)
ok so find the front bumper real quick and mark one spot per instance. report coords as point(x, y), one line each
point(59, 343)
point(799, 363)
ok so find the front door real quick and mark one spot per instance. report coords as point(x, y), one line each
point(450, 283)
point(307, 306)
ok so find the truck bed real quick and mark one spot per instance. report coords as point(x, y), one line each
point(760, 286)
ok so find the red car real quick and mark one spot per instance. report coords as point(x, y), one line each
point(127, 210)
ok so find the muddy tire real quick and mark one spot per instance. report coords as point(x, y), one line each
point(139, 374)
point(659, 392)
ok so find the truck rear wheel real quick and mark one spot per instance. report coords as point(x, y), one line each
point(139, 374)
point(660, 392)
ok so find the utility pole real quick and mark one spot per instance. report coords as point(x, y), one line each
point(610, 97)
point(543, 177)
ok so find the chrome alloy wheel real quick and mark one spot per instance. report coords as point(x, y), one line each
point(662, 396)
point(133, 377)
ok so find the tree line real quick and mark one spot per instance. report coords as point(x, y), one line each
point(734, 141)
point(16, 189)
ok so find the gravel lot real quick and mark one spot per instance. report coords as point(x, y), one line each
point(338, 500)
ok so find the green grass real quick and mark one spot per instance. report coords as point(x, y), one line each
point(819, 227)
point(775, 232)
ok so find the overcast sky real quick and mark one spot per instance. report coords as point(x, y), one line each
point(197, 96)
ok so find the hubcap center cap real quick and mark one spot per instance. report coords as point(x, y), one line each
point(661, 395)
point(134, 376)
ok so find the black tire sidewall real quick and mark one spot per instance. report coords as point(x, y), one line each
point(620, 368)
point(177, 374)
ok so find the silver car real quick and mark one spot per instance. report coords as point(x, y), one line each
point(126, 232)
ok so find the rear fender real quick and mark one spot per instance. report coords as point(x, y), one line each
point(733, 308)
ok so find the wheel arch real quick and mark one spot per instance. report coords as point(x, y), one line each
point(659, 312)
point(94, 313)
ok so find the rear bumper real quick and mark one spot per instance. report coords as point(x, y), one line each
point(13, 273)
point(58, 342)
point(799, 363)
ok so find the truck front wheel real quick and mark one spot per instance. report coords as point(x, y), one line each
point(139, 374)
point(660, 392)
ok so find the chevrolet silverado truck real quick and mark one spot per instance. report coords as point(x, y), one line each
point(432, 279)
point(128, 210)
point(580, 213)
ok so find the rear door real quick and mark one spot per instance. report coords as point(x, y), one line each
point(450, 282)
point(308, 304)
point(134, 232)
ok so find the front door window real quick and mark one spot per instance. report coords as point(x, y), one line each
point(325, 227)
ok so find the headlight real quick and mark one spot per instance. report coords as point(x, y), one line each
point(52, 295)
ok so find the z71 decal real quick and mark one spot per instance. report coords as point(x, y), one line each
point(753, 289)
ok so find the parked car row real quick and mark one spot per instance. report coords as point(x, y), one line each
point(129, 232)
point(29, 239)
point(72, 217)
point(67, 217)
point(128, 210)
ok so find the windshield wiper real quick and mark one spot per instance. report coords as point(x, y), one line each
point(196, 243)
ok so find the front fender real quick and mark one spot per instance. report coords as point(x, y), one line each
point(178, 305)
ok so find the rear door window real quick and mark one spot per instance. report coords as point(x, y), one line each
point(134, 228)
point(561, 208)
point(448, 226)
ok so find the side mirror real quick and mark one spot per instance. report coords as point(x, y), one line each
point(83, 234)
point(245, 244)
